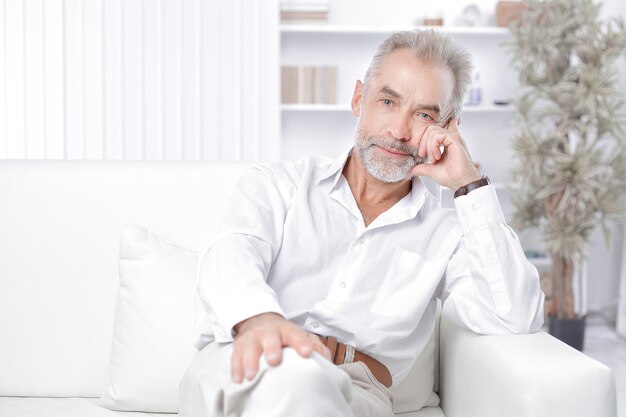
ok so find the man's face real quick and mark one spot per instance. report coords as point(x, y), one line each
point(400, 101)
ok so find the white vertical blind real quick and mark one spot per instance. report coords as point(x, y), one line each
point(33, 87)
point(112, 85)
point(190, 99)
point(139, 79)
point(152, 78)
point(209, 44)
point(132, 71)
point(93, 79)
point(74, 66)
point(14, 78)
point(54, 80)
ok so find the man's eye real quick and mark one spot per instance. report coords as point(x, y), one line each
point(387, 102)
point(426, 116)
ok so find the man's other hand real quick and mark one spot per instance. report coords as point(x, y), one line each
point(268, 334)
point(453, 168)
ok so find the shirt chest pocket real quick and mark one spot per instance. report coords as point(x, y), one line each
point(409, 285)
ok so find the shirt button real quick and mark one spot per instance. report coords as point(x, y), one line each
point(342, 284)
point(474, 207)
point(315, 324)
point(361, 241)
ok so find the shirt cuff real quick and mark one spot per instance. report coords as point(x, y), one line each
point(479, 208)
point(246, 309)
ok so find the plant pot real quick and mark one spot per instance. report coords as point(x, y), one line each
point(570, 331)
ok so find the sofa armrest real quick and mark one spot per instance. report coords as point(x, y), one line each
point(530, 375)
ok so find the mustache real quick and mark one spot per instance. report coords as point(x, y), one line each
point(393, 145)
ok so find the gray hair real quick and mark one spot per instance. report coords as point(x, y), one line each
point(430, 46)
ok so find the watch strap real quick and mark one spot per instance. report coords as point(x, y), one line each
point(464, 190)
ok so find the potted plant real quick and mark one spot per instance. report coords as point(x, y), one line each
point(570, 150)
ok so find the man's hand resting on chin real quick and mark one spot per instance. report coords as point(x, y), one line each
point(453, 168)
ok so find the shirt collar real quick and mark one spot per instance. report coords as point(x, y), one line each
point(410, 204)
point(335, 168)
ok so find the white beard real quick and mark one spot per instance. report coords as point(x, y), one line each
point(379, 166)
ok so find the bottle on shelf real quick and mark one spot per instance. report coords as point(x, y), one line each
point(475, 95)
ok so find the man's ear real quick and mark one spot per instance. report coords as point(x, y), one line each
point(357, 96)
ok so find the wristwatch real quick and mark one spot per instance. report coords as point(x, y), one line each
point(472, 186)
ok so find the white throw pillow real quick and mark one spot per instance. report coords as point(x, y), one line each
point(154, 323)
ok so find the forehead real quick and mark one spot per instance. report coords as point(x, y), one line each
point(414, 79)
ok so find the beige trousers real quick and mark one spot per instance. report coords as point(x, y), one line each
point(298, 387)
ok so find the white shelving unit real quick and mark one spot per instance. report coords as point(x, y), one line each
point(328, 128)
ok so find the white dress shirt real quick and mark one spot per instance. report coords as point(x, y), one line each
point(293, 242)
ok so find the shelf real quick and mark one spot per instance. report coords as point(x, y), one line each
point(488, 109)
point(377, 30)
point(347, 108)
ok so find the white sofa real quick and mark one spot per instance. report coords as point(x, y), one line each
point(60, 225)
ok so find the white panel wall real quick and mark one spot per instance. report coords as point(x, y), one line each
point(139, 79)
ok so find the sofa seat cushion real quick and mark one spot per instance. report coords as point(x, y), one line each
point(62, 407)
point(88, 407)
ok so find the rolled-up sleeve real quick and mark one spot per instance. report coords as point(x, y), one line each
point(489, 286)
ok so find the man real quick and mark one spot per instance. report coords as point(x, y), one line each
point(344, 260)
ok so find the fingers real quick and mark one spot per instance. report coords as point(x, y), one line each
point(248, 350)
point(451, 163)
point(434, 148)
point(300, 341)
point(250, 360)
point(270, 341)
point(319, 347)
point(236, 366)
point(244, 361)
point(421, 144)
point(273, 348)
point(426, 170)
point(306, 343)
point(433, 140)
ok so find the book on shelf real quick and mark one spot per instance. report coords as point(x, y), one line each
point(293, 17)
point(303, 10)
point(309, 84)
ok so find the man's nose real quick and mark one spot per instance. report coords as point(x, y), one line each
point(400, 126)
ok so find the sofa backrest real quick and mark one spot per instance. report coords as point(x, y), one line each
point(60, 223)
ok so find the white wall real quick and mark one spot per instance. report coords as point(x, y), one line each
point(139, 79)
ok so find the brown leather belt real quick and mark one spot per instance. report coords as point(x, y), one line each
point(342, 353)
